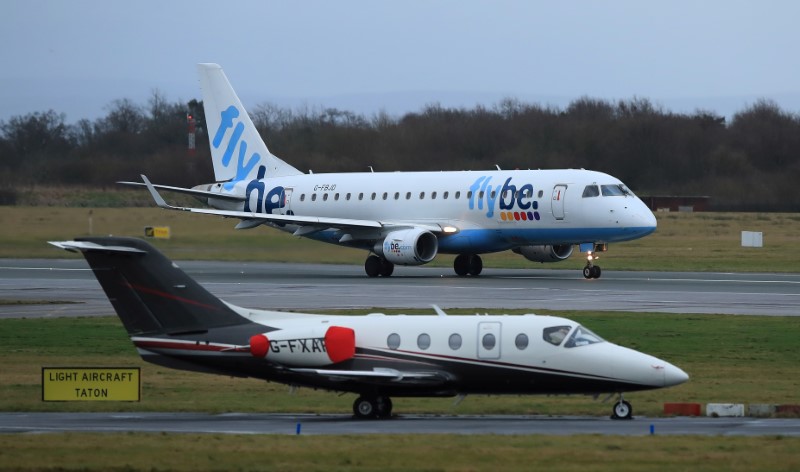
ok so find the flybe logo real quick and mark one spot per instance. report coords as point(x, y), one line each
point(244, 164)
point(514, 204)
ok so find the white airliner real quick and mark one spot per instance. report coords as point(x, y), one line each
point(174, 322)
point(408, 218)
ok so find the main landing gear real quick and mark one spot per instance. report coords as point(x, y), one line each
point(591, 271)
point(376, 265)
point(371, 407)
point(468, 264)
point(622, 410)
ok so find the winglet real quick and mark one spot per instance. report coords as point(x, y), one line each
point(156, 196)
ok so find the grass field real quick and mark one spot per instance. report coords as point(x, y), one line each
point(192, 452)
point(683, 241)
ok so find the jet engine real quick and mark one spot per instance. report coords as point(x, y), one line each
point(306, 347)
point(409, 247)
point(545, 253)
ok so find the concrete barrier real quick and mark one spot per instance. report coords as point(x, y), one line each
point(682, 409)
point(760, 410)
point(724, 409)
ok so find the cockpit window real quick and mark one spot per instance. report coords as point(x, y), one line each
point(582, 337)
point(555, 334)
point(616, 190)
point(591, 191)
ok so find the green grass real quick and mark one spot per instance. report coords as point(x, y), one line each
point(683, 241)
point(742, 359)
point(191, 452)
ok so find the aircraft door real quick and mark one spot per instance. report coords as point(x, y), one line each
point(559, 192)
point(286, 198)
point(489, 340)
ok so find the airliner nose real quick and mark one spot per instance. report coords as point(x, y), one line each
point(674, 375)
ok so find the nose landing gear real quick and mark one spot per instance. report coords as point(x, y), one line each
point(622, 410)
point(591, 271)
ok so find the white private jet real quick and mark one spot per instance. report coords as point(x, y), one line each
point(408, 218)
point(176, 323)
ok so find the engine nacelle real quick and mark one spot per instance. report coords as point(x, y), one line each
point(545, 253)
point(313, 347)
point(410, 247)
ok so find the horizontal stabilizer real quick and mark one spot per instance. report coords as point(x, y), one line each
point(189, 191)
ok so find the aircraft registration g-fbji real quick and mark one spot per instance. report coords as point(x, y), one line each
point(408, 218)
point(174, 322)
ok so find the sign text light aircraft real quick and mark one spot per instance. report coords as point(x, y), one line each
point(408, 218)
point(174, 322)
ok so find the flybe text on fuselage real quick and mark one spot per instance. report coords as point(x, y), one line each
point(514, 202)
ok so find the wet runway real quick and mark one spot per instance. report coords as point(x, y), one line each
point(70, 289)
point(241, 423)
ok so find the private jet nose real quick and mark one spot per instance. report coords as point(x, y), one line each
point(674, 375)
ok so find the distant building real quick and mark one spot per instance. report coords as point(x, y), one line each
point(676, 202)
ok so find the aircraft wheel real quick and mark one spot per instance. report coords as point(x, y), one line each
point(384, 405)
point(622, 411)
point(461, 264)
point(365, 408)
point(475, 265)
point(587, 272)
point(596, 272)
point(386, 268)
point(372, 266)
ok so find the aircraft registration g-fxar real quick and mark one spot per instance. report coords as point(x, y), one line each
point(408, 218)
point(174, 322)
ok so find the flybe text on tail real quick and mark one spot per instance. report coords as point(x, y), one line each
point(228, 120)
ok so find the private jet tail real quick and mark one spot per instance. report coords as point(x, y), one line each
point(237, 150)
point(150, 294)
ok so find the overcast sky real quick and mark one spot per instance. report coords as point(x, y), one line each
point(77, 56)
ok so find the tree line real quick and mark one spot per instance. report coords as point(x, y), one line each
point(751, 162)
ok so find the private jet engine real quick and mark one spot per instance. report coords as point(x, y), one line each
point(545, 253)
point(410, 247)
point(305, 347)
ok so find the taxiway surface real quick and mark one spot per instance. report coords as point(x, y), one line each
point(68, 288)
point(241, 423)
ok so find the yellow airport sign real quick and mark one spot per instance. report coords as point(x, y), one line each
point(79, 384)
point(158, 232)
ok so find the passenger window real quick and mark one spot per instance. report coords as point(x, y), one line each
point(541, 192)
point(555, 335)
point(302, 197)
point(421, 195)
point(313, 197)
point(458, 195)
point(393, 341)
point(408, 195)
point(521, 341)
point(433, 195)
point(444, 195)
point(373, 195)
point(591, 191)
point(423, 341)
point(324, 197)
point(360, 196)
point(480, 195)
point(347, 197)
point(385, 195)
point(397, 195)
point(454, 341)
point(488, 341)
point(336, 197)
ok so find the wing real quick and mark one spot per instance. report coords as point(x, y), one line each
point(308, 224)
point(189, 191)
point(381, 375)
